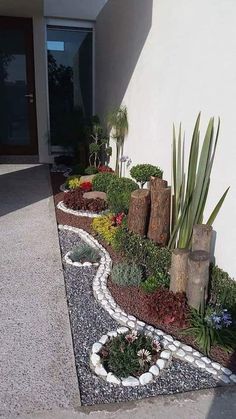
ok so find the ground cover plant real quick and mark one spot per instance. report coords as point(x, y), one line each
point(142, 173)
point(155, 259)
point(107, 225)
point(85, 253)
point(75, 200)
point(73, 182)
point(222, 289)
point(126, 274)
point(169, 308)
point(130, 354)
point(104, 226)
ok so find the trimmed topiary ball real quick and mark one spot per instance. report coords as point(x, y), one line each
point(142, 172)
point(102, 181)
point(118, 194)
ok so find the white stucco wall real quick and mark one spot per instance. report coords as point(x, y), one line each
point(187, 64)
point(73, 9)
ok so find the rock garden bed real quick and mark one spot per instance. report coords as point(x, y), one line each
point(89, 322)
point(136, 301)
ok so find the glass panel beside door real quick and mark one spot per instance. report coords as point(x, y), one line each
point(70, 78)
point(17, 108)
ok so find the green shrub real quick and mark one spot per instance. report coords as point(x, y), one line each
point(85, 253)
point(152, 283)
point(118, 194)
point(222, 289)
point(102, 181)
point(130, 354)
point(155, 259)
point(91, 170)
point(73, 182)
point(142, 172)
point(126, 274)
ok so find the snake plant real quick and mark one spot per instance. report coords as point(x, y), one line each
point(190, 189)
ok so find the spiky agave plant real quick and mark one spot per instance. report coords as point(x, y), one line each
point(190, 189)
point(117, 122)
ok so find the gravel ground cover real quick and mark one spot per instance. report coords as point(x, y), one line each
point(89, 322)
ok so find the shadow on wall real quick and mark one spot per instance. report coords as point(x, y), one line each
point(121, 31)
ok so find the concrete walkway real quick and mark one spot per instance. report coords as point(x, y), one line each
point(37, 370)
point(37, 373)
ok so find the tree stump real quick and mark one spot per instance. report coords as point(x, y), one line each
point(198, 278)
point(155, 185)
point(159, 223)
point(139, 211)
point(179, 270)
point(202, 235)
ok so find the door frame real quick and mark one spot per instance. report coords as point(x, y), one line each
point(27, 25)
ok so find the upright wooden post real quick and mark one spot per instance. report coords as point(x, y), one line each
point(201, 239)
point(139, 211)
point(159, 223)
point(179, 270)
point(198, 278)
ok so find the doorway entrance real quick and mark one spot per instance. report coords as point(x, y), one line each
point(18, 128)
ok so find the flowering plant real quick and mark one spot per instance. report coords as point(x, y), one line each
point(219, 319)
point(86, 186)
point(127, 160)
point(105, 169)
point(130, 353)
point(213, 327)
point(117, 219)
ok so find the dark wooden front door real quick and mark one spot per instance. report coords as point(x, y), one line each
point(18, 130)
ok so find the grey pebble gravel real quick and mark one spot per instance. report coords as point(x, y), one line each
point(89, 322)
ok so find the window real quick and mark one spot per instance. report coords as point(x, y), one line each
point(70, 79)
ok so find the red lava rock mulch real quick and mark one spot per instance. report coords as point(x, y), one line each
point(132, 299)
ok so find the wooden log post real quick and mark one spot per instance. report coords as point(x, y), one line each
point(155, 185)
point(179, 270)
point(202, 236)
point(159, 223)
point(139, 211)
point(198, 278)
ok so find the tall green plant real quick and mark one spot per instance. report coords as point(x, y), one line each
point(118, 124)
point(190, 189)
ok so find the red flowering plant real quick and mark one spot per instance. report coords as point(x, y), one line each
point(117, 219)
point(105, 169)
point(86, 186)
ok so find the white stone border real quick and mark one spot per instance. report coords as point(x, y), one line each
point(68, 260)
point(63, 188)
point(178, 349)
point(146, 378)
point(88, 214)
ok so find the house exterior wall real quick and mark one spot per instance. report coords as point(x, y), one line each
point(73, 9)
point(186, 63)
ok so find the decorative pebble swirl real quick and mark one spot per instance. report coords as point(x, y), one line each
point(176, 348)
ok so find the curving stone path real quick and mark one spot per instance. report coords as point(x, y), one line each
point(178, 349)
